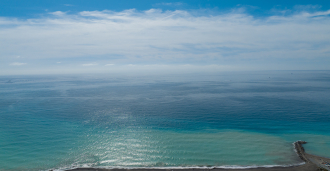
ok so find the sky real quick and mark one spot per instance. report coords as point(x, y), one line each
point(103, 36)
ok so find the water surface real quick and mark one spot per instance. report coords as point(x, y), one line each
point(224, 119)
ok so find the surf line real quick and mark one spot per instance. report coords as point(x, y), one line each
point(311, 163)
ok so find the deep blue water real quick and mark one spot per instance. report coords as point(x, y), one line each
point(224, 119)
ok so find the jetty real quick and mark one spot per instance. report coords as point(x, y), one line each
point(300, 150)
point(321, 162)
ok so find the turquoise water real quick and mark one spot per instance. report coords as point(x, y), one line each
point(233, 119)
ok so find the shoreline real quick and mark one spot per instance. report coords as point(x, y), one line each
point(311, 163)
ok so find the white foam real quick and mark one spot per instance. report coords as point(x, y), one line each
point(176, 167)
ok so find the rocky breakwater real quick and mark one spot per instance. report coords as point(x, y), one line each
point(320, 162)
point(300, 150)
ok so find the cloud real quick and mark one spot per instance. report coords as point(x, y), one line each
point(307, 7)
point(169, 4)
point(109, 64)
point(17, 64)
point(170, 37)
point(90, 64)
point(58, 13)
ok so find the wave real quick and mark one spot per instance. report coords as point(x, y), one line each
point(90, 165)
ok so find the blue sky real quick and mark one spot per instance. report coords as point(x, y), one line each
point(71, 36)
point(33, 8)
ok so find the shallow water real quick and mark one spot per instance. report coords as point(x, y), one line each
point(225, 119)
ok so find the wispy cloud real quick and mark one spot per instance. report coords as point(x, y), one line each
point(17, 64)
point(170, 37)
point(90, 64)
point(58, 13)
point(169, 4)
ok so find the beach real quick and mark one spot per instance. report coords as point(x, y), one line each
point(312, 163)
point(305, 167)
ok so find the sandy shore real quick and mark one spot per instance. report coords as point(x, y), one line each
point(305, 167)
point(312, 163)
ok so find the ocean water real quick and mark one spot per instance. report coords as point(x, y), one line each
point(230, 119)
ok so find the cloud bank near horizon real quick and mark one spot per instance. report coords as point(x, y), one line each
point(154, 37)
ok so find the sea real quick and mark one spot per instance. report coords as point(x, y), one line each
point(193, 120)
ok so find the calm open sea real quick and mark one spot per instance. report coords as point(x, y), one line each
point(237, 119)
